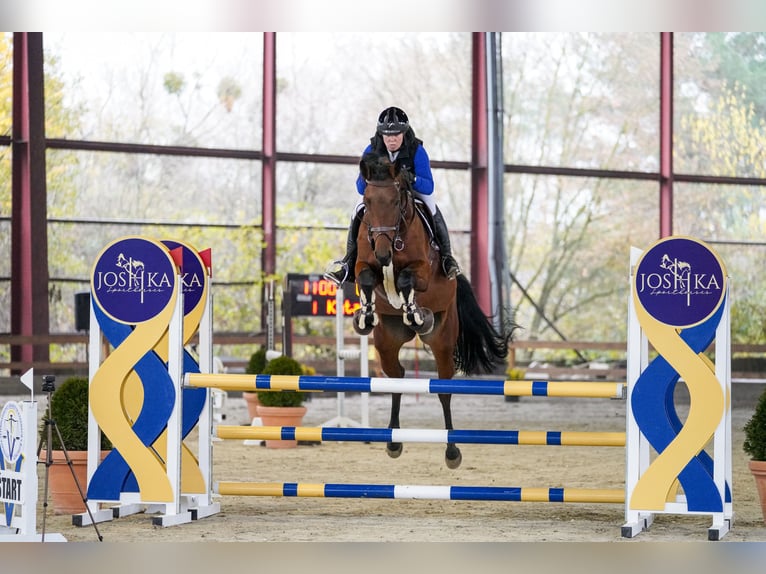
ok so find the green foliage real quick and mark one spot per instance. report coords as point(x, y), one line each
point(282, 366)
point(257, 362)
point(748, 316)
point(229, 91)
point(516, 374)
point(755, 432)
point(69, 409)
point(174, 83)
point(738, 58)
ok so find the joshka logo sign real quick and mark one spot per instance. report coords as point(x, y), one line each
point(133, 279)
point(680, 281)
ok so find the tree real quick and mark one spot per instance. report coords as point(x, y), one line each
point(730, 138)
point(569, 102)
point(738, 59)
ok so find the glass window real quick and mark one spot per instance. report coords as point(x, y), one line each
point(190, 89)
point(568, 249)
point(727, 217)
point(324, 195)
point(5, 274)
point(332, 87)
point(128, 187)
point(5, 238)
point(581, 100)
point(6, 82)
point(720, 104)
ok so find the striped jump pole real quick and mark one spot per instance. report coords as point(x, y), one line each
point(237, 382)
point(422, 492)
point(505, 437)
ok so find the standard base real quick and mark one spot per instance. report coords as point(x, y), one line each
point(49, 537)
point(632, 529)
point(205, 511)
point(83, 519)
point(718, 530)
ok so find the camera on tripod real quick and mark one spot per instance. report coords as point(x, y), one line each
point(48, 387)
point(49, 383)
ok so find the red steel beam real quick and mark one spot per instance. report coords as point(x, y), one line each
point(269, 166)
point(29, 236)
point(479, 175)
point(666, 134)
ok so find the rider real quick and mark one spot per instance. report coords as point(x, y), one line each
point(395, 136)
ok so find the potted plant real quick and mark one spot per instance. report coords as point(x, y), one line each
point(255, 366)
point(755, 446)
point(69, 412)
point(282, 408)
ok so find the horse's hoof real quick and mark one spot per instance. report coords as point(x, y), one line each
point(363, 324)
point(453, 463)
point(426, 324)
point(362, 331)
point(394, 450)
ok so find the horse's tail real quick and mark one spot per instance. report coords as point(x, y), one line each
point(479, 345)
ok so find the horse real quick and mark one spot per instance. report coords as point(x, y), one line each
point(404, 293)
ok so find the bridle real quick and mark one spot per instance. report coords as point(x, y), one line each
point(374, 232)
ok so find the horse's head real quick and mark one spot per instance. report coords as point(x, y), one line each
point(385, 205)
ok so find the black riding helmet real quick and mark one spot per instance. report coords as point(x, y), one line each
point(392, 121)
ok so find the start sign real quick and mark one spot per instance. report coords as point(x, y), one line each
point(315, 296)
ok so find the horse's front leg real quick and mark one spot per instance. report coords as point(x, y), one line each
point(419, 319)
point(452, 456)
point(365, 317)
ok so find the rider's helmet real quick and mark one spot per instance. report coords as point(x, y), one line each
point(392, 121)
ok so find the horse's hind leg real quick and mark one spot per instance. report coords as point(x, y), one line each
point(452, 455)
point(394, 449)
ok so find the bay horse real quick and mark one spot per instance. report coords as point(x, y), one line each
point(404, 293)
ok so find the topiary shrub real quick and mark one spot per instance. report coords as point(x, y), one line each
point(755, 431)
point(282, 366)
point(257, 362)
point(69, 410)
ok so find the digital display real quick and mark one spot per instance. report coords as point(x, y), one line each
point(314, 296)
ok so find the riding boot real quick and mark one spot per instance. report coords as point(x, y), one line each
point(345, 271)
point(441, 234)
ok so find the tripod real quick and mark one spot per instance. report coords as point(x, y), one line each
point(50, 424)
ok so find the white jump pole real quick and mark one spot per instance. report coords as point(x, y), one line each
point(342, 355)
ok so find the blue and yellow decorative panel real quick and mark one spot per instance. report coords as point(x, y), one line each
point(679, 292)
point(134, 290)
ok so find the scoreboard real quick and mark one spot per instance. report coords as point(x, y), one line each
point(315, 296)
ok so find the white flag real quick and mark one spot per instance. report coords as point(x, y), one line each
point(28, 379)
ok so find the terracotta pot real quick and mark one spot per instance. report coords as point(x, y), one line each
point(252, 404)
point(758, 468)
point(61, 485)
point(281, 417)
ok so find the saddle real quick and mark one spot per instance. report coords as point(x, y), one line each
point(428, 220)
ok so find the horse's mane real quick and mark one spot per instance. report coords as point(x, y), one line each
point(377, 167)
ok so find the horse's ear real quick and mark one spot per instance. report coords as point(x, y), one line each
point(402, 172)
point(364, 169)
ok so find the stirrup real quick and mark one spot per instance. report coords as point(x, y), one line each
point(338, 276)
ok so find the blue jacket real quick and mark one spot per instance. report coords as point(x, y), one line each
point(419, 164)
